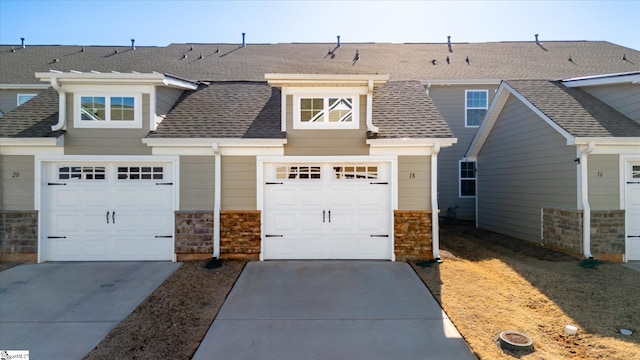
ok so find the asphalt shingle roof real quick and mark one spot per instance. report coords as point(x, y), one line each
point(225, 110)
point(575, 110)
point(231, 62)
point(402, 109)
point(33, 118)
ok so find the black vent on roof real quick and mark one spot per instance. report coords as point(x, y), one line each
point(448, 60)
point(338, 44)
point(243, 43)
point(449, 43)
point(468, 61)
point(22, 45)
point(536, 35)
point(133, 44)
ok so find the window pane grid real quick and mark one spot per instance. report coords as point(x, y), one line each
point(298, 172)
point(467, 178)
point(355, 172)
point(81, 173)
point(475, 107)
point(140, 173)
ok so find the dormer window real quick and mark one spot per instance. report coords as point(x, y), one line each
point(99, 110)
point(335, 111)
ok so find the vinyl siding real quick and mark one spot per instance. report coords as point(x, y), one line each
point(524, 165)
point(9, 98)
point(16, 185)
point(623, 98)
point(197, 182)
point(106, 141)
point(326, 142)
point(450, 101)
point(414, 183)
point(604, 182)
point(165, 99)
point(238, 183)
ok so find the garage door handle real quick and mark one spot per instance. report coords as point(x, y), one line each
point(329, 215)
point(274, 236)
point(633, 182)
point(56, 237)
point(113, 217)
point(163, 236)
point(380, 236)
point(323, 215)
point(633, 236)
point(107, 217)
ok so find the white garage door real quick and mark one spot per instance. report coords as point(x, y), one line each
point(108, 211)
point(632, 211)
point(327, 211)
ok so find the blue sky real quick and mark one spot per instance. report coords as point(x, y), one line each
point(159, 23)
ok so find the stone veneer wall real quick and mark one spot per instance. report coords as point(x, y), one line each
point(19, 236)
point(194, 235)
point(240, 236)
point(413, 236)
point(562, 230)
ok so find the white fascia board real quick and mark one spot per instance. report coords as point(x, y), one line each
point(24, 86)
point(199, 142)
point(95, 78)
point(409, 142)
point(611, 146)
point(610, 79)
point(31, 146)
point(205, 146)
point(49, 141)
point(447, 82)
point(173, 82)
point(276, 79)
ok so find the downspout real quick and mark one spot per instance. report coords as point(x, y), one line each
point(62, 105)
point(217, 176)
point(369, 120)
point(586, 208)
point(435, 226)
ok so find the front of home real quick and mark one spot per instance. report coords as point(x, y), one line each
point(282, 151)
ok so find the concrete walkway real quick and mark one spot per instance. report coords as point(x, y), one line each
point(331, 310)
point(63, 310)
point(635, 265)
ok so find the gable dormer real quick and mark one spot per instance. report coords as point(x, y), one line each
point(95, 100)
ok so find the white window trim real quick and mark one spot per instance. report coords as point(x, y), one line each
point(460, 178)
point(18, 103)
point(137, 111)
point(486, 107)
point(326, 93)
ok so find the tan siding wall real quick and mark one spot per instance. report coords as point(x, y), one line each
point(238, 183)
point(623, 98)
point(17, 182)
point(524, 166)
point(450, 101)
point(165, 99)
point(604, 182)
point(414, 183)
point(106, 141)
point(197, 182)
point(9, 98)
point(326, 142)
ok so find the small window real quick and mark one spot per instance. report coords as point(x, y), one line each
point(23, 98)
point(116, 111)
point(355, 172)
point(297, 172)
point(467, 179)
point(635, 171)
point(327, 112)
point(81, 173)
point(140, 173)
point(476, 104)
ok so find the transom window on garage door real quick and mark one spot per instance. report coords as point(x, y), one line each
point(349, 172)
point(81, 173)
point(140, 172)
point(293, 172)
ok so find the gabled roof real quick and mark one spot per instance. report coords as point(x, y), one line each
point(402, 109)
point(32, 119)
point(247, 110)
point(572, 112)
point(232, 62)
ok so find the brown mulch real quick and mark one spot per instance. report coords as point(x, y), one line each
point(490, 283)
point(172, 321)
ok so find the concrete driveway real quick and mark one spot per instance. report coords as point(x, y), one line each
point(331, 310)
point(63, 310)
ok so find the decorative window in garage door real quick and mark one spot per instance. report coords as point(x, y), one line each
point(81, 173)
point(349, 172)
point(292, 172)
point(140, 173)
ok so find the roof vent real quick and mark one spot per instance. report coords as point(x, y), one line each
point(217, 49)
point(434, 62)
point(117, 51)
point(243, 43)
point(448, 60)
point(23, 46)
point(200, 57)
point(449, 43)
point(468, 61)
point(13, 49)
point(191, 49)
point(133, 44)
point(624, 57)
point(184, 56)
point(82, 49)
point(356, 57)
point(536, 35)
point(338, 44)
point(570, 59)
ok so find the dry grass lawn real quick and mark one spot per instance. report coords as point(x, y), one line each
point(489, 283)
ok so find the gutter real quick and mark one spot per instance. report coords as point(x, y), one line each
point(62, 104)
point(369, 120)
point(584, 195)
point(435, 226)
point(216, 200)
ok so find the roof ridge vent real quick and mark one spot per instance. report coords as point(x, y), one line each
point(82, 49)
point(13, 49)
point(243, 43)
point(133, 44)
point(449, 43)
point(117, 51)
point(22, 45)
point(536, 35)
point(338, 44)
